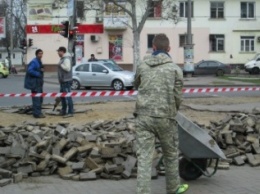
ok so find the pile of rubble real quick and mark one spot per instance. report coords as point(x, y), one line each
point(238, 135)
point(96, 150)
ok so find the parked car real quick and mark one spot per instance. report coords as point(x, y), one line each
point(101, 74)
point(253, 66)
point(4, 71)
point(211, 67)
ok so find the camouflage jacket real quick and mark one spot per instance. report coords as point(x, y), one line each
point(159, 82)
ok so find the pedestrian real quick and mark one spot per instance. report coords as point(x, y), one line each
point(159, 82)
point(65, 80)
point(13, 70)
point(92, 58)
point(7, 65)
point(34, 82)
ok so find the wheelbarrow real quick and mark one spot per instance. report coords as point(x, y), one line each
point(198, 150)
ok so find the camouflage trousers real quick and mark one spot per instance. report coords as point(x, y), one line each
point(147, 129)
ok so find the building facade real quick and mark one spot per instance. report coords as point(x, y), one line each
point(224, 30)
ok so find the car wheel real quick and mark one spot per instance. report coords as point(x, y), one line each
point(5, 76)
point(87, 88)
point(75, 85)
point(255, 70)
point(118, 85)
point(1, 75)
point(220, 72)
point(130, 88)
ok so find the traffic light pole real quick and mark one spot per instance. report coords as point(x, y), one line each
point(72, 41)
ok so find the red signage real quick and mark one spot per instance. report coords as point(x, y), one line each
point(53, 29)
point(2, 27)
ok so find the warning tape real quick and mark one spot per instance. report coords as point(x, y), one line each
point(128, 93)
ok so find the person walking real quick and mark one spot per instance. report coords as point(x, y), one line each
point(7, 65)
point(92, 58)
point(159, 82)
point(34, 82)
point(65, 80)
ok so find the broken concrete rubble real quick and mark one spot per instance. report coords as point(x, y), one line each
point(239, 137)
point(98, 149)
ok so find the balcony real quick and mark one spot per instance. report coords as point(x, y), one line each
point(115, 22)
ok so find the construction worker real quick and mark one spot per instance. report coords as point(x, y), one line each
point(159, 82)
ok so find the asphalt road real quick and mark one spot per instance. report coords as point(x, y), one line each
point(14, 84)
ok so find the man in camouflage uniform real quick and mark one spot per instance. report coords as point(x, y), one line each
point(159, 82)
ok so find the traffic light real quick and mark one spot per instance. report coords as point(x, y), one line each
point(23, 44)
point(65, 29)
point(30, 42)
point(71, 33)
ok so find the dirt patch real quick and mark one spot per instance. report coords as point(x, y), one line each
point(118, 110)
point(101, 111)
point(221, 100)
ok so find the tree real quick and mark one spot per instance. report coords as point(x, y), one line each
point(138, 12)
point(18, 12)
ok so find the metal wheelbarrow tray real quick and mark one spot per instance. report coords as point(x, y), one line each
point(198, 150)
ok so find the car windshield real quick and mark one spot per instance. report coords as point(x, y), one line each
point(113, 67)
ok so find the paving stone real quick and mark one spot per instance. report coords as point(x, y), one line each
point(87, 176)
point(5, 150)
point(18, 177)
point(5, 182)
point(126, 174)
point(59, 159)
point(256, 148)
point(90, 163)
point(85, 148)
point(25, 169)
point(130, 163)
point(109, 168)
point(5, 173)
point(239, 161)
point(78, 166)
point(64, 171)
point(70, 153)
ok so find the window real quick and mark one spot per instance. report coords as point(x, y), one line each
point(184, 40)
point(84, 68)
point(0, 55)
point(156, 9)
point(98, 68)
point(216, 42)
point(114, 10)
point(212, 64)
point(247, 43)
point(13, 55)
point(217, 10)
point(184, 9)
point(247, 10)
point(203, 65)
point(150, 38)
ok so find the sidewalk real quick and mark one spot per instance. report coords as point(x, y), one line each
point(237, 180)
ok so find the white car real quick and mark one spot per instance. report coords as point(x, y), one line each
point(101, 74)
point(253, 66)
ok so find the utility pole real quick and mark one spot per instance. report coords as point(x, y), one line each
point(188, 48)
point(72, 22)
point(11, 35)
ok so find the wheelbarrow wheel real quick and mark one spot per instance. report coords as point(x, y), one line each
point(188, 171)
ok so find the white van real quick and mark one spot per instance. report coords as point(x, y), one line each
point(253, 66)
